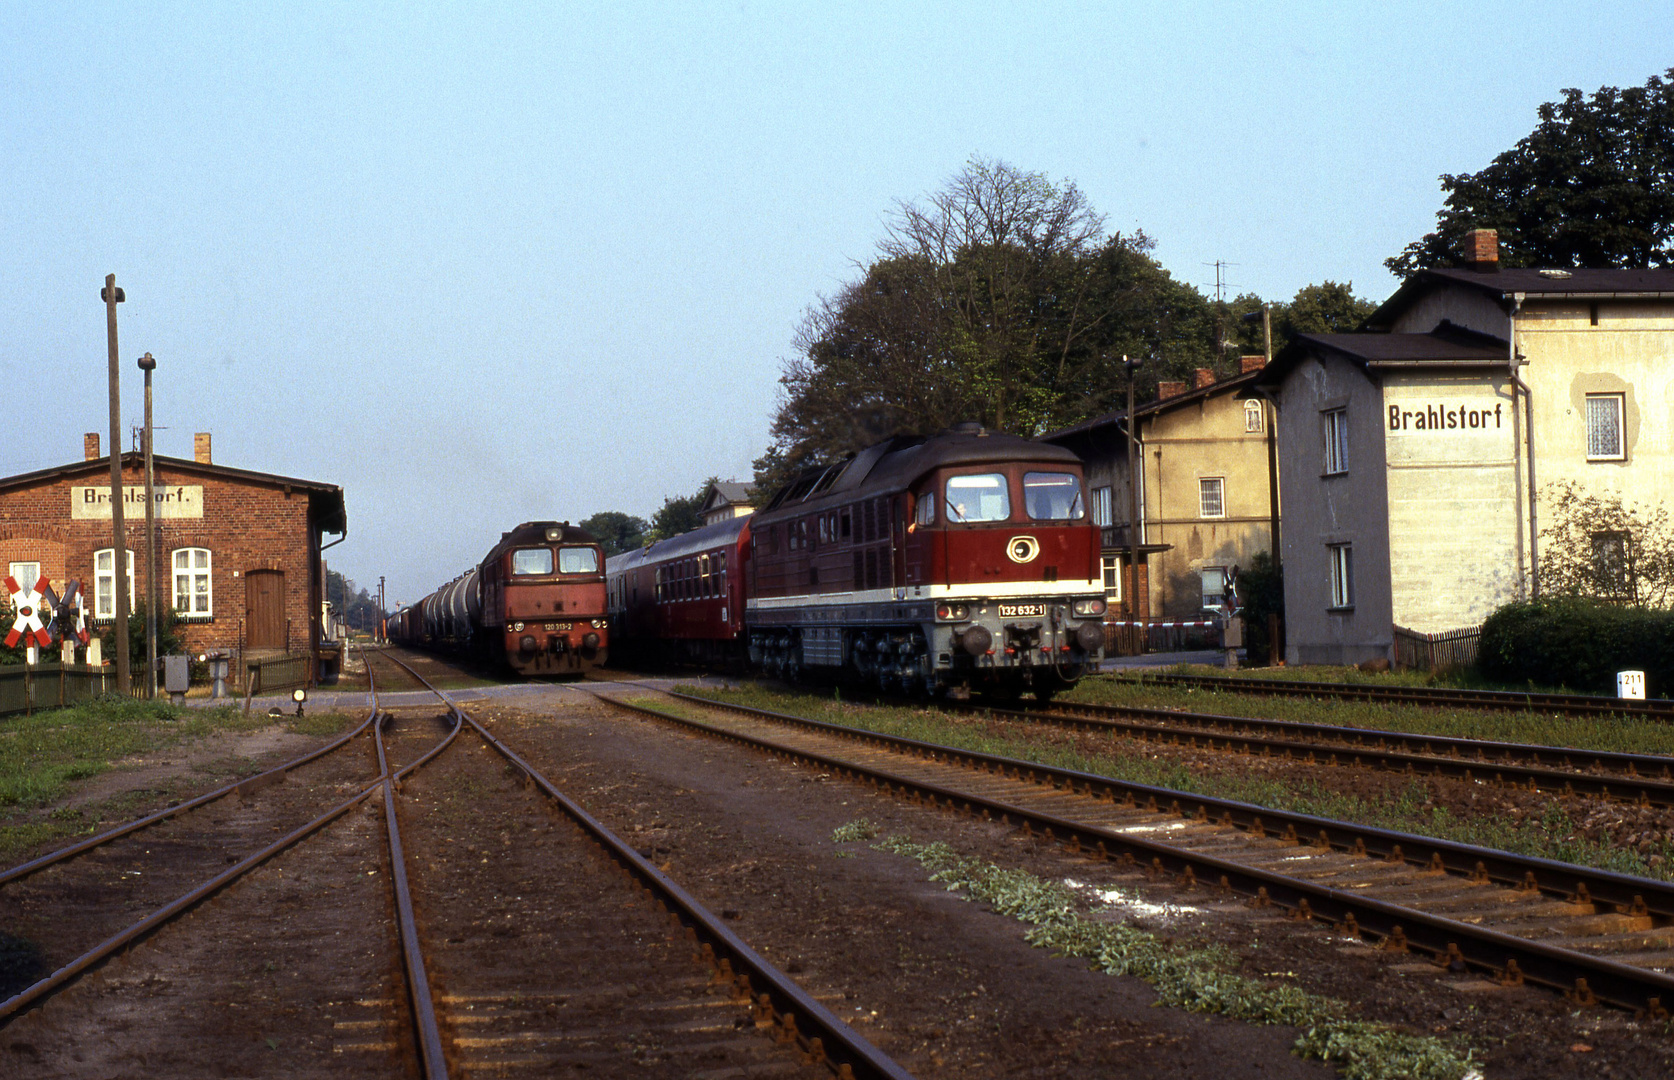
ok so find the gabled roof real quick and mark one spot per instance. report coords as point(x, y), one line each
point(1501, 285)
point(729, 493)
point(1447, 346)
point(1119, 417)
point(328, 498)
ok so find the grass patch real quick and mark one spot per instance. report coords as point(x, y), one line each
point(43, 755)
point(1634, 735)
point(1191, 977)
point(1409, 809)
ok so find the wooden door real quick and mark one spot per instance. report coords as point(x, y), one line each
point(264, 597)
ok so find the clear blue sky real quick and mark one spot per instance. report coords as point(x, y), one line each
point(489, 263)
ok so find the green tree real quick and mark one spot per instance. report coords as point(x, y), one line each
point(1591, 186)
point(168, 641)
point(1326, 308)
point(356, 608)
point(997, 299)
point(617, 532)
point(680, 513)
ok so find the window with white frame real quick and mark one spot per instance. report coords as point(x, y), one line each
point(104, 583)
point(1214, 585)
point(1211, 497)
point(26, 574)
point(1112, 579)
point(1604, 427)
point(193, 594)
point(1253, 414)
point(1342, 575)
point(1101, 506)
point(1334, 426)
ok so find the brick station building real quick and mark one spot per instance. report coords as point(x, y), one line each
point(237, 552)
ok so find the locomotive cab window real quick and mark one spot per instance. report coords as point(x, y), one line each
point(576, 560)
point(978, 498)
point(528, 561)
point(1050, 496)
point(925, 508)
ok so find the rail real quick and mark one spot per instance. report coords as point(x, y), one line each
point(1437, 696)
point(1508, 958)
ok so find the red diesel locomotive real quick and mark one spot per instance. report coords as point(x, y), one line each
point(965, 559)
point(536, 602)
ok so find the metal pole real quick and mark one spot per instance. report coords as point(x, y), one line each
point(1132, 367)
point(119, 536)
point(147, 365)
point(378, 637)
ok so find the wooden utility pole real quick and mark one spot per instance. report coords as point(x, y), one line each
point(1142, 635)
point(119, 536)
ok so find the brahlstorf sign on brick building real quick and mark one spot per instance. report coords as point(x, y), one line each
point(175, 501)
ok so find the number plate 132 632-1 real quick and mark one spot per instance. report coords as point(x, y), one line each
point(1015, 611)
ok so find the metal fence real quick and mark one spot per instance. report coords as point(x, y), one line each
point(27, 687)
point(1444, 651)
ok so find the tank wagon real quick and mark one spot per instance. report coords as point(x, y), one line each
point(964, 559)
point(536, 602)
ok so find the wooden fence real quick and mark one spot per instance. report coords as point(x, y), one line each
point(1444, 651)
point(267, 674)
point(25, 688)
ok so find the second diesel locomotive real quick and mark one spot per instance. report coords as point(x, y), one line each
point(536, 602)
point(965, 559)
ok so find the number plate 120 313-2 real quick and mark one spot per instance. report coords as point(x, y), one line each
point(1019, 611)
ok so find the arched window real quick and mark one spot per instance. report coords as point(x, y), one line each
point(104, 583)
point(193, 590)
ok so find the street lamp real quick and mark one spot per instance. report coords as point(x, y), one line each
point(147, 365)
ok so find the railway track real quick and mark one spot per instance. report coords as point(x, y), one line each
point(1647, 779)
point(1435, 696)
point(1593, 935)
point(543, 962)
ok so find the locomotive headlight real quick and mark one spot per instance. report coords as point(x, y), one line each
point(1087, 609)
point(953, 612)
point(517, 627)
point(602, 624)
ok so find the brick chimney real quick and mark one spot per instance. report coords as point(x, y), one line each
point(1247, 364)
point(1203, 377)
point(90, 446)
point(1166, 390)
point(1482, 249)
point(200, 448)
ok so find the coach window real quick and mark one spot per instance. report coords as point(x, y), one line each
point(844, 526)
point(192, 594)
point(104, 583)
point(578, 560)
point(1050, 496)
point(721, 571)
point(978, 498)
point(529, 561)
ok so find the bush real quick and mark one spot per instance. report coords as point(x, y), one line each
point(1579, 644)
point(1261, 590)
